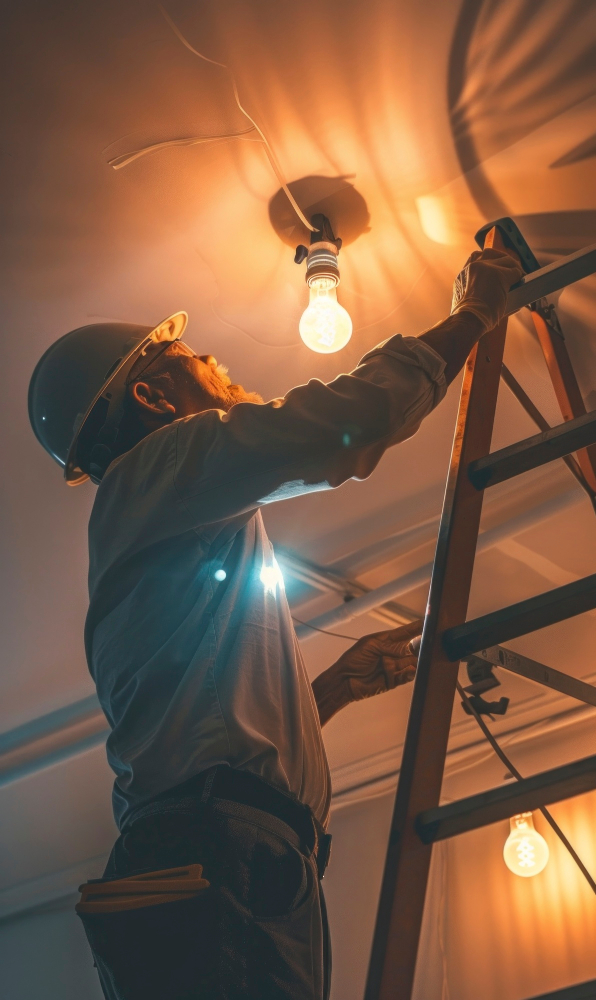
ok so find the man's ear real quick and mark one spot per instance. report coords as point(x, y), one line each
point(151, 401)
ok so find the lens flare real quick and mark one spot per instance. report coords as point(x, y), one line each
point(271, 577)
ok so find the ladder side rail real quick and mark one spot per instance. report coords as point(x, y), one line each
point(534, 413)
point(563, 377)
point(399, 917)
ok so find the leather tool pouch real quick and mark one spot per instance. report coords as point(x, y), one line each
point(138, 891)
point(131, 922)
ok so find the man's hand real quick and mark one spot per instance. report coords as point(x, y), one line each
point(479, 299)
point(481, 287)
point(375, 663)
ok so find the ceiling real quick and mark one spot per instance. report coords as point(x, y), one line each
point(410, 126)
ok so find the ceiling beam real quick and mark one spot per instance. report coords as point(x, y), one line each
point(370, 601)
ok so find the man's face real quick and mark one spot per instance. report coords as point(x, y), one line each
point(197, 382)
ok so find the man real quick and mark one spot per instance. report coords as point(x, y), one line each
point(216, 740)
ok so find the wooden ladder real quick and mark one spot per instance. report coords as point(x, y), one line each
point(447, 638)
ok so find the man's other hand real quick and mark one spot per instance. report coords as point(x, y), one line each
point(375, 663)
point(380, 662)
point(481, 286)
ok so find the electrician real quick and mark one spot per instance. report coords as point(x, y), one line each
point(215, 729)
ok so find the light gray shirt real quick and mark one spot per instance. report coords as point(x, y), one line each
point(189, 636)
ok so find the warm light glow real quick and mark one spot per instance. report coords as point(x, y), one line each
point(325, 326)
point(271, 577)
point(525, 851)
point(434, 222)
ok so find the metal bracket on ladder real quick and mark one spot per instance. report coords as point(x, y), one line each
point(539, 673)
point(445, 640)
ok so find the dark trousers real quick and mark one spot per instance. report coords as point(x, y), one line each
point(259, 931)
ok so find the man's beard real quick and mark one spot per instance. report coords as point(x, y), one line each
point(232, 394)
point(240, 395)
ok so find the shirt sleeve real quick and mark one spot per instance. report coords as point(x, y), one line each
point(316, 437)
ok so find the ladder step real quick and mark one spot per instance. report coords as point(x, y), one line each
point(519, 619)
point(501, 803)
point(551, 278)
point(533, 451)
point(581, 991)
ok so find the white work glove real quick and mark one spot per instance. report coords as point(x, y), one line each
point(481, 287)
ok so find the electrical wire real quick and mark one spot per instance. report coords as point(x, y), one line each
point(125, 158)
point(505, 759)
point(324, 631)
point(119, 162)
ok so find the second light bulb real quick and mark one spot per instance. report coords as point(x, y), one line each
point(526, 851)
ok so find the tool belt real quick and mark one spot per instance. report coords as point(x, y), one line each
point(134, 892)
point(113, 895)
point(247, 789)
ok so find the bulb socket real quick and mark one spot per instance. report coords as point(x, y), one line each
point(322, 262)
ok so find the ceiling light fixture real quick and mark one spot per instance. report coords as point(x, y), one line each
point(325, 326)
point(526, 851)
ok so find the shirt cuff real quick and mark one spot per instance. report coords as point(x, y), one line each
point(412, 351)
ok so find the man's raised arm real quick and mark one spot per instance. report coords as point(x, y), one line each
point(319, 435)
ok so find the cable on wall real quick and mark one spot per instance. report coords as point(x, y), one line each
point(122, 161)
point(117, 162)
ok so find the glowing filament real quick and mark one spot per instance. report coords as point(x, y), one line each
point(526, 851)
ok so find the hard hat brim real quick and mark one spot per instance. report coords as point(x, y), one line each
point(170, 329)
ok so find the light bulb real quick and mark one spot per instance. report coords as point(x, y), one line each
point(325, 326)
point(525, 851)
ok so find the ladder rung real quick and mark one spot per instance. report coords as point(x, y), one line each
point(501, 803)
point(551, 278)
point(533, 451)
point(519, 619)
point(580, 991)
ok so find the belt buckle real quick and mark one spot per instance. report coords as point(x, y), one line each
point(323, 853)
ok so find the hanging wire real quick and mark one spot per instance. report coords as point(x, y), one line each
point(511, 767)
point(324, 631)
point(121, 161)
